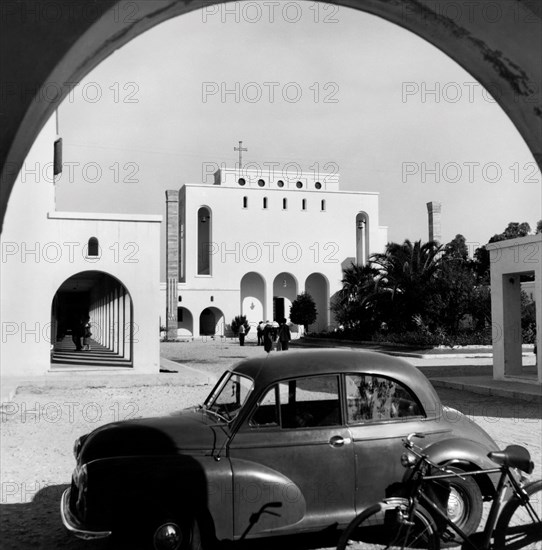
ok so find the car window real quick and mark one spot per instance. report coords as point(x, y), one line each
point(301, 403)
point(228, 396)
point(372, 398)
point(267, 413)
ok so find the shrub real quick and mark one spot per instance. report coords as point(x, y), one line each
point(237, 322)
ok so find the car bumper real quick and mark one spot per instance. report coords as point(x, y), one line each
point(73, 525)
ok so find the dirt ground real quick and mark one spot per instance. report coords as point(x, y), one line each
point(39, 426)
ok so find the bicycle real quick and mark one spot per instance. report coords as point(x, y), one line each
point(417, 518)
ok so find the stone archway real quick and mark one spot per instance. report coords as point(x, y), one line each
point(253, 298)
point(106, 303)
point(509, 260)
point(211, 322)
point(285, 290)
point(498, 43)
point(185, 322)
point(318, 287)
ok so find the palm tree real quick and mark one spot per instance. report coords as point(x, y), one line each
point(406, 273)
point(355, 301)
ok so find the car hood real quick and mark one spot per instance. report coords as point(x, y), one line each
point(186, 433)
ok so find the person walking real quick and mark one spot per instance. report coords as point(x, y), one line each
point(259, 333)
point(242, 334)
point(86, 335)
point(77, 333)
point(268, 337)
point(284, 336)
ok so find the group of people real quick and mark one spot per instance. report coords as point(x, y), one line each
point(81, 334)
point(269, 334)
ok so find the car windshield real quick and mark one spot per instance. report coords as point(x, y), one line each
point(228, 396)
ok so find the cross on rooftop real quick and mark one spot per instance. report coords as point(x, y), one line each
point(240, 149)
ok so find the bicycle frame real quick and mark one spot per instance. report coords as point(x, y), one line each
point(506, 480)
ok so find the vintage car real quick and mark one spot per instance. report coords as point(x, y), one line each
point(285, 444)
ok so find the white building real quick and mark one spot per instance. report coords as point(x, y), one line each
point(58, 267)
point(250, 243)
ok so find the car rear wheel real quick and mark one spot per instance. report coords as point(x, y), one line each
point(465, 503)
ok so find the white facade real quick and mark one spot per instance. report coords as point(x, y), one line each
point(50, 274)
point(250, 243)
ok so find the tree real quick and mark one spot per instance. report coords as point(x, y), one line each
point(406, 271)
point(457, 248)
point(355, 304)
point(539, 227)
point(237, 322)
point(481, 255)
point(303, 310)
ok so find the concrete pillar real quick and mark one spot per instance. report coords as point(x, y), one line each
point(172, 261)
point(506, 316)
point(512, 325)
point(433, 211)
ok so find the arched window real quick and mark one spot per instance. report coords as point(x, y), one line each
point(265, 202)
point(93, 247)
point(323, 205)
point(284, 204)
point(245, 202)
point(204, 241)
point(304, 204)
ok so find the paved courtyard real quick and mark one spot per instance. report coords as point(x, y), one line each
point(40, 423)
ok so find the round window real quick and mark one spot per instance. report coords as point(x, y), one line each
point(280, 183)
point(241, 181)
point(261, 183)
point(299, 185)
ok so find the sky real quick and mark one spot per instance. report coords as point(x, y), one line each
point(311, 86)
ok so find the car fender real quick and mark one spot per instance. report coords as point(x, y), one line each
point(200, 485)
point(465, 454)
point(264, 500)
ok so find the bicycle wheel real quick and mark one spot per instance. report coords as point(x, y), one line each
point(381, 527)
point(519, 524)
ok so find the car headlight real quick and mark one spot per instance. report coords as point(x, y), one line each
point(408, 460)
point(78, 443)
point(80, 476)
point(80, 479)
point(77, 447)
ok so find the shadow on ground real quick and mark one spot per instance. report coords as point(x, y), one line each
point(37, 525)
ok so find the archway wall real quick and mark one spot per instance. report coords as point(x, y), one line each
point(498, 43)
point(41, 249)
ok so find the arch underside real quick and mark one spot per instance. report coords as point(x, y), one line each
point(501, 50)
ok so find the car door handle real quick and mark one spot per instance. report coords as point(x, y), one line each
point(339, 441)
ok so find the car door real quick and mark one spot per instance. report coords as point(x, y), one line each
point(381, 412)
point(293, 461)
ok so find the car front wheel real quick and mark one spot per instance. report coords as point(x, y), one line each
point(170, 534)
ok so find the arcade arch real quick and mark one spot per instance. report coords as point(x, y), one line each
point(253, 298)
point(107, 304)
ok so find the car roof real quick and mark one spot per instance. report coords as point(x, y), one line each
point(293, 364)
